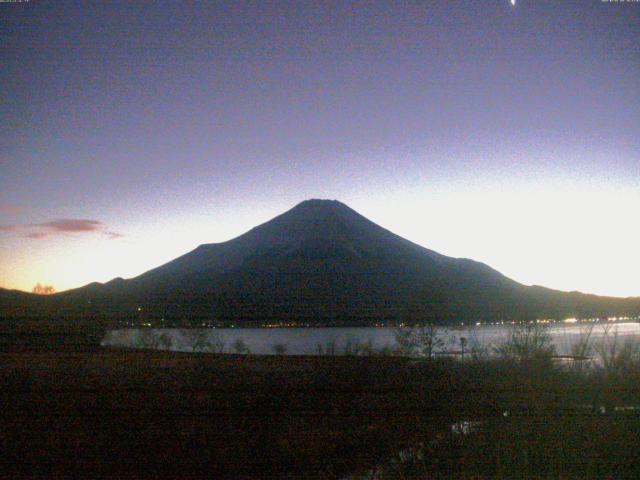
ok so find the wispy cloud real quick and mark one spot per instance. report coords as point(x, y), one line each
point(36, 235)
point(70, 225)
point(60, 227)
point(113, 235)
point(9, 209)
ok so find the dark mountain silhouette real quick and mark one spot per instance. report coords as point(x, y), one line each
point(321, 263)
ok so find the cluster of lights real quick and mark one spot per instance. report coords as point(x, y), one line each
point(289, 324)
point(570, 320)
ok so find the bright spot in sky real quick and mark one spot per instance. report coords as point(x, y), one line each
point(513, 2)
point(566, 237)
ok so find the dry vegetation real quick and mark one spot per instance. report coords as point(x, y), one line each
point(134, 414)
point(143, 414)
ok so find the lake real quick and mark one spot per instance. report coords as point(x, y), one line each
point(305, 341)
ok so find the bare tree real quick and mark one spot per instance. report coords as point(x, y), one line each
point(617, 355)
point(166, 341)
point(527, 343)
point(406, 341)
point(196, 339)
point(217, 341)
point(419, 332)
point(428, 340)
point(147, 339)
point(329, 348)
point(422, 339)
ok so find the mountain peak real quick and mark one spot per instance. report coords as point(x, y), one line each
point(310, 229)
point(321, 204)
point(318, 202)
point(316, 217)
point(322, 262)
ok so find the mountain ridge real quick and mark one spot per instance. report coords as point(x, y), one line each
point(320, 262)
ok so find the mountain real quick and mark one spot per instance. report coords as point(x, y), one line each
point(319, 263)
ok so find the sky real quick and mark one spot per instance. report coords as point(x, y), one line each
point(131, 132)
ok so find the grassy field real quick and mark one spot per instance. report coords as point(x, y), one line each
point(146, 414)
point(136, 414)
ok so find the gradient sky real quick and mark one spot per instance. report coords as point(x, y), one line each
point(131, 132)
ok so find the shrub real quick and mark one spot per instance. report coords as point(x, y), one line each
point(476, 350)
point(354, 346)
point(406, 341)
point(239, 346)
point(385, 350)
point(217, 341)
point(166, 341)
point(616, 356)
point(583, 349)
point(196, 339)
point(527, 343)
point(422, 339)
point(366, 347)
point(279, 348)
point(147, 339)
point(329, 348)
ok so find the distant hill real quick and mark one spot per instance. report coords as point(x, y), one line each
point(322, 263)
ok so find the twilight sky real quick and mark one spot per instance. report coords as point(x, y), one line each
point(131, 132)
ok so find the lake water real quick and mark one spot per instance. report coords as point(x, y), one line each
point(305, 341)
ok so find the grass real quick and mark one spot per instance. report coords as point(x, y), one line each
point(178, 415)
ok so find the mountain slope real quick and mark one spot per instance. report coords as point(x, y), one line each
point(322, 263)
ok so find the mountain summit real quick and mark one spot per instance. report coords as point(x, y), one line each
point(320, 263)
point(313, 229)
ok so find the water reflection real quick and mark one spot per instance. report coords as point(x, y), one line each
point(567, 339)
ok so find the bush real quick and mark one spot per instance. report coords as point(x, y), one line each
point(147, 339)
point(217, 341)
point(166, 341)
point(329, 348)
point(279, 348)
point(354, 346)
point(385, 350)
point(583, 349)
point(526, 344)
point(476, 350)
point(421, 339)
point(239, 346)
point(406, 340)
point(615, 356)
point(196, 339)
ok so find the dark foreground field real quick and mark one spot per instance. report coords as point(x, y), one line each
point(125, 414)
point(141, 414)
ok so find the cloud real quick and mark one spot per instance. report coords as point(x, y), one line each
point(70, 225)
point(60, 227)
point(36, 235)
point(9, 209)
point(113, 235)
